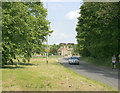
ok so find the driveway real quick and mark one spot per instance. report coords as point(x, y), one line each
point(105, 75)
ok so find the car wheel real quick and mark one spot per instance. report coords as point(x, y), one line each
point(77, 63)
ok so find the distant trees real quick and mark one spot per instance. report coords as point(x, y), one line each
point(97, 29)
point(24, 28)
point(54, 49)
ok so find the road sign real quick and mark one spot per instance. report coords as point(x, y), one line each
point(47, 50)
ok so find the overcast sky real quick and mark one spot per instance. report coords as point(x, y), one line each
point(63, 18)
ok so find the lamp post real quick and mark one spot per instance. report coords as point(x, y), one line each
point(47, 38)
point(47, 48)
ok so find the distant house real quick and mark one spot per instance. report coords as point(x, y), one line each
point(65, 49)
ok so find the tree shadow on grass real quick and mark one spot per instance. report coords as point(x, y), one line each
point(26, 64)
point(11, 67)
point(16, 65)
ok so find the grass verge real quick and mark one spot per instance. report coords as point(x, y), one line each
point(39, 76)
point(106, 62)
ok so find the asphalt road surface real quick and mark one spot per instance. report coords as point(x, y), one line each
point(105, 75)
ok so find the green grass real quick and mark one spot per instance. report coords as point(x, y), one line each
point(39, 76)
point(106, 63)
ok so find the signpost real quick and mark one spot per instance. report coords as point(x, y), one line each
point(47, 50)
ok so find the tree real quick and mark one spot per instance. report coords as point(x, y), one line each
point(24, 28)
point(54, 49)
point(97, 29)
point(75, 49)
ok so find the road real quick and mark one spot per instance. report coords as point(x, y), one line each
point(105, 75)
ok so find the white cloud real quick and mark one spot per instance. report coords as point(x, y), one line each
point(72, 15)
point(59, 35)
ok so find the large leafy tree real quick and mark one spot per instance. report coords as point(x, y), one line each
point(24, 28)
point(97, 29)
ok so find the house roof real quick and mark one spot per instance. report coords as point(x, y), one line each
point(62, 44)
point(70, 44)
point(66, 44)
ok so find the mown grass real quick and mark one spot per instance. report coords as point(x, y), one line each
point(39, 76)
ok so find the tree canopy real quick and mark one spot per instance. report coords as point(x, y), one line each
point(24, 28)
point(97, 29)
point(54, 49)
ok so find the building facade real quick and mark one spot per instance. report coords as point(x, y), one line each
point(65, 49)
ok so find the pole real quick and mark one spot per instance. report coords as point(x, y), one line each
point(47, 37)
point(47, 48)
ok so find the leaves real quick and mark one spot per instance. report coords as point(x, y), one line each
point(24, 28)
point(97, 29)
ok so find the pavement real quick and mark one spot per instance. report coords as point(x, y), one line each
point(99, 73)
